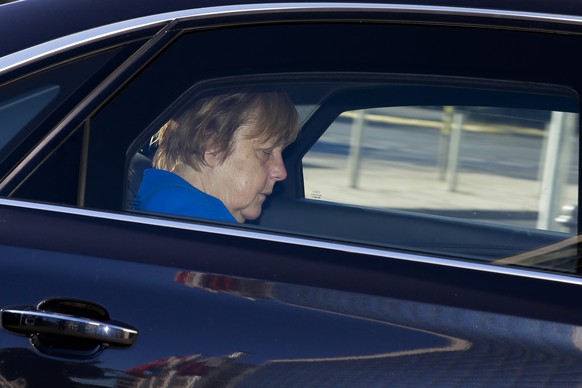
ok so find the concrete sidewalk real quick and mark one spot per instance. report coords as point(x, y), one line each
point(402, 185)
point(385, 185)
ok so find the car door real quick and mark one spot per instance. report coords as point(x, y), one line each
point(314, 293)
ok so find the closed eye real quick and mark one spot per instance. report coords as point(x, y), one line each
point(265, 154)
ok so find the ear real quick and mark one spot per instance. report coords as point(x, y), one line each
point(211, 158)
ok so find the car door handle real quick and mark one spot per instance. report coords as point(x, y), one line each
point(30, 321)
point(65, 327)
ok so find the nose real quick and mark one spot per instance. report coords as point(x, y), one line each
point(278, 171)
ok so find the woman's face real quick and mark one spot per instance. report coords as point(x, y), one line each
point(245, 178)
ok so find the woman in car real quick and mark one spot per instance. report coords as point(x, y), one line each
point(220, 158)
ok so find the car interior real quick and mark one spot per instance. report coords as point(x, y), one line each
point(320, 102)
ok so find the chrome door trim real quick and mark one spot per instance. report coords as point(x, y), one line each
point(58, 45)
point(306, 242)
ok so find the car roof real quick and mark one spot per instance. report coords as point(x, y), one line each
point(31, 22)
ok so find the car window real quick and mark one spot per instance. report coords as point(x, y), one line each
point(487, 181)
point(33, 105)
point(457, 159)
point(507, 166)
point(20, 110)
point(25, 103)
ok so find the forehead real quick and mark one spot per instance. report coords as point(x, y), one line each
point(251, 131)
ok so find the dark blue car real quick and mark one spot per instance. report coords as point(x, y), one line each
point(426, 233)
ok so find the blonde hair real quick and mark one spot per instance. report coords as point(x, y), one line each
point(210, 124)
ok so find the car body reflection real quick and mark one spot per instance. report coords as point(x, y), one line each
point(479, 339)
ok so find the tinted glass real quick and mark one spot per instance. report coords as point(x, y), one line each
point(508, 129)
point(30, 108)
point(17, 112)
point(25, 103)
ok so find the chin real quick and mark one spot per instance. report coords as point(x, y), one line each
point(252, 216)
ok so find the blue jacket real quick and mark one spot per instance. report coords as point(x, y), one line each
point(165, 192)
